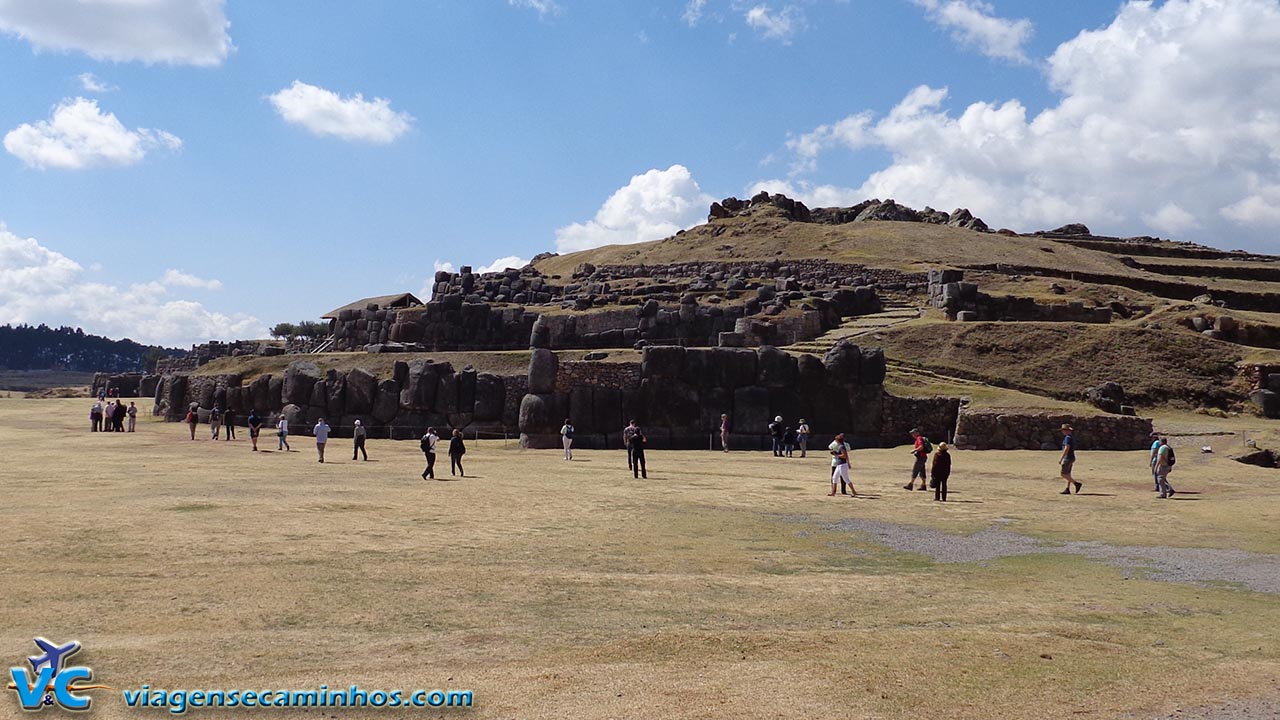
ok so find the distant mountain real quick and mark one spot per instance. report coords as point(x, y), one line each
point(27, 347)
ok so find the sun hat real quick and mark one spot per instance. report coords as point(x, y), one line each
point(778, 419)
point(1066, 427)
point(943, 446)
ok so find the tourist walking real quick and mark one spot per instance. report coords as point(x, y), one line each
point(282, 434)
point(637, 443)
point(920, 451)
point(321, 431)
point(428, 444)
point(255, 428)
point(840, 465)
point(939, 473)
point(215, 422)
point(95, 417)
point(1068, 459)
point(724, 432)
point(229, 423)
point(193, 419)
point(357, 438)
point(566, 438)
point(456, 450)
point(1164, 465)
point(133, 415)
point(627, 433)
point(1155, 452)
point(802, 438)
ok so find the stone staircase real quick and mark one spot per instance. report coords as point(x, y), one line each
point(856, 326)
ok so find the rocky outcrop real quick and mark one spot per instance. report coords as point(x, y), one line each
point(866, 211)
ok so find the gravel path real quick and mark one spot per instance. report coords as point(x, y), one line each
point(1255, 571)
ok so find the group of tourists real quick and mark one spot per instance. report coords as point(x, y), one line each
point(457, 448)
point(113, 416)
point(786, 439)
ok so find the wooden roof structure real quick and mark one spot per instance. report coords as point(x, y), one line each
point(399, 300)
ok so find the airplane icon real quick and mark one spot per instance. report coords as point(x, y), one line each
point(55, 656)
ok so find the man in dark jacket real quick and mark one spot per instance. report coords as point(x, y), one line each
point(638, 467)
point(775, 432)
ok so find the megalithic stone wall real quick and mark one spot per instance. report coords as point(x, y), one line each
point(677, 395)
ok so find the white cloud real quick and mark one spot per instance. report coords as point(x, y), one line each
point(1168, 122)
point(177, 278)
point(189, 32)
point(445, 266)
point(511, 261)
point(544, 7)
point(40, 285)
point(91, 83)
point(79, 135)
point(693, 12)
point(651, 206)
point(974, 23)
point(324, 112)
point(1171, 219)
point(780, 26)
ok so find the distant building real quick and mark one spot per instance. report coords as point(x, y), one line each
point(401, 300)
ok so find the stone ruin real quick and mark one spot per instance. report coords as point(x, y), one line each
point(709, 332)
point(963, 302)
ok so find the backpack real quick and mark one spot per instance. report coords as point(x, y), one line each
point(1172, 458)
point(928, 446)
point(426, 443)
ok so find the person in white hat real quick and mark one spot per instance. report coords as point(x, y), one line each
point(775, 432)
point(358, 435)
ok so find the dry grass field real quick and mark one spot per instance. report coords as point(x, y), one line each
point(721, 587)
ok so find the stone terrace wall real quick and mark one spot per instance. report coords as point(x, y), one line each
point(962, 301)
point(996, 429)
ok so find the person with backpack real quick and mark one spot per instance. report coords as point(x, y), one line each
point(215, 422)
point(775, 432)
point(840, 465)
point(255, 428)
point(456, 450)
point(428, 445)
point(939, 472)
point(358, 436)
point(921, 451)
point(321, 432)
point(566, 438)
point(193, 419)
point(1165, 461)
point(638, 466)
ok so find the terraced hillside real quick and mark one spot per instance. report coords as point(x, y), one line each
point(1189, 325)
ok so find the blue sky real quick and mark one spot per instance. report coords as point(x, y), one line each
point(180, 170)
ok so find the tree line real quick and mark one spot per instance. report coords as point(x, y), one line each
point(40, 347)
